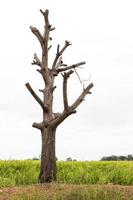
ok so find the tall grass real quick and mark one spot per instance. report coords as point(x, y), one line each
point(115, 172)
point(26, 172)
point(14, 173)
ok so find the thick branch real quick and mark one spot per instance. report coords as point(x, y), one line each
point(37, 33)
point(70, 67)
point(59, 53)
point(37, 98)
point(81, 97)
point(65, 78)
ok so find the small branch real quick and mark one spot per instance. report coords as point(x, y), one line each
point(53, 88)
point(70, 67)
point(36, 61)
point(58, 49)
point(37, 33)
point(63, 65)
point(37, 125)
point(37, 98)
point(49, 47)
point(67, 43)
point(81, 97)
point(41, 90)
point(52, 29)
point(59, 53)
point(39, 70)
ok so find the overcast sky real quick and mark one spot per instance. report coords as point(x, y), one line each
point(102, 35)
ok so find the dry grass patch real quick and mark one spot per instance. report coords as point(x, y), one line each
point(67, 192)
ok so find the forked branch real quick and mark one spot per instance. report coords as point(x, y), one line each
point(45, 14)
point(71, 110)
point(59, 53)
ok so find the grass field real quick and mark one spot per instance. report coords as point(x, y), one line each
point(78, 180)
point(15, 173)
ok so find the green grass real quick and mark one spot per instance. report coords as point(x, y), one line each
point(15, 173)
point(96, 172)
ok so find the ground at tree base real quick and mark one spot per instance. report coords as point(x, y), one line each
point(67, 192)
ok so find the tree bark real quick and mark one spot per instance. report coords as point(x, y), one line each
point(48, 169)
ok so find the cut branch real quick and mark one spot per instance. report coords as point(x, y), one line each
point(45, 14)
point(59, 53)
point(52, 29)
point(37, 33)
point(81, 97)
point(37, 125)
point(41, 90)
point(37, 98)
point(70, 67)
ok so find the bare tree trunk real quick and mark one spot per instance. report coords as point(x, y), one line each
point(50, 119)
point(48, 159)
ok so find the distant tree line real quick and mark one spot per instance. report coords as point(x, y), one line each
point(119, 158)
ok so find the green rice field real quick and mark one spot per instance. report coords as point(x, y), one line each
point(16, 173)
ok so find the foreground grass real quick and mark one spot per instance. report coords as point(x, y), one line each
point(16, 173)
point(68, 192)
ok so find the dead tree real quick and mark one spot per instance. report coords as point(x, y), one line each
point(51, 120)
